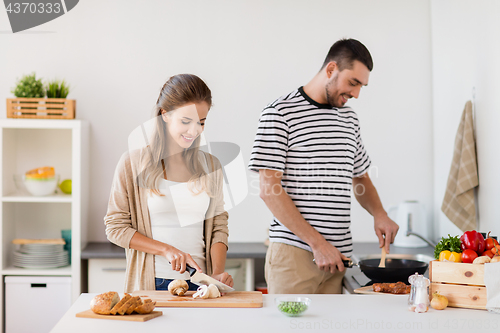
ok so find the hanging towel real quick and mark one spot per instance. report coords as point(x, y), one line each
point(458, 204)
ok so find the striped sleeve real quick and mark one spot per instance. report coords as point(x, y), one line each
point(361, 160)
point(271, 142)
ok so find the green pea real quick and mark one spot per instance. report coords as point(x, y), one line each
point(292, 308)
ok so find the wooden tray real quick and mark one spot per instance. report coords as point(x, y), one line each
point(44, 108)
point(455, 272)
point(235, 299)
point(131, 317)
point(461, 296)
point(462, 284)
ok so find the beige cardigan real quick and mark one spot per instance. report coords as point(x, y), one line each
point(128, 213)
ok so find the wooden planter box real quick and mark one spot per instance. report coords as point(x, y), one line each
point(41, 108)
point(462, 284)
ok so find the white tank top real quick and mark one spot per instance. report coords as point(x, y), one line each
point(177, 219)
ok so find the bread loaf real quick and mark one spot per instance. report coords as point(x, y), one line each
point(110, 304)
point(103, 303)
point(131, 303)
point(118, 305)
point(147, 307)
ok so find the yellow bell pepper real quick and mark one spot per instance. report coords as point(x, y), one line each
point(450, 256)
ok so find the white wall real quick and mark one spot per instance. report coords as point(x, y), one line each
point(117, 54)
point(465, 57)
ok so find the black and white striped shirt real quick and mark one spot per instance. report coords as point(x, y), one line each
point(319, 150)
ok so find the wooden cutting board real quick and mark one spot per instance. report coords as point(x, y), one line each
point(235, 299)
point(131, 317)
point(369, 290)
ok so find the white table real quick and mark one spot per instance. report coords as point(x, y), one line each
point(327, 313)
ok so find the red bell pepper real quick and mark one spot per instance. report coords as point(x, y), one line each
point(473, 240)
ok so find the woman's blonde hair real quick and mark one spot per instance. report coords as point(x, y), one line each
point(178, 91)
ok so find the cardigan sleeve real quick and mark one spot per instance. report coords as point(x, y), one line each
point(220, 232)
point(118, 219)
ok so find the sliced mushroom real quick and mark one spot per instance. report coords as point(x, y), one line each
point(213, 291)
point(178, 287)
point(210, 291)
point(200, 292)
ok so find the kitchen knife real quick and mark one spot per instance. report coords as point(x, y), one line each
point(203, 279)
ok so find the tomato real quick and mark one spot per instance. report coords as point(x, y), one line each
point(468, 256)
point(487, 253)
point(490, 242)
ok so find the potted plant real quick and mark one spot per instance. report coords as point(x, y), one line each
point(57, 89)
point(30, 101)
point(29, 87)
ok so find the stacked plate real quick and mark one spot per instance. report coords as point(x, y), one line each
point(41, 256)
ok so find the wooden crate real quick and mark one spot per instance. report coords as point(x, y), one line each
point(41, 108)
point(462, 284)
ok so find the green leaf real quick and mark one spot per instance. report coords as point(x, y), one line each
point(450, 243)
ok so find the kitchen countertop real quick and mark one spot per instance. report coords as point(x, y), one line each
point(364, 313)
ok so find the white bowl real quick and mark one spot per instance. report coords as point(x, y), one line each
point(41, 186)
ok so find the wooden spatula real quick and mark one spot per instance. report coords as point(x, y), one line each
point(382, 259)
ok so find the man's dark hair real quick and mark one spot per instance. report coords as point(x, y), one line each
point(345, 51)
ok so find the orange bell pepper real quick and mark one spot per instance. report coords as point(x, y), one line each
point(450, 256)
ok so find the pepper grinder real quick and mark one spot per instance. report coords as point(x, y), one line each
point(418, 300)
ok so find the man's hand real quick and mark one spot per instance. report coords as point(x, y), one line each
point(386, 230)
point(328, 258)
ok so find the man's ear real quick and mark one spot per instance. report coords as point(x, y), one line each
point(330, 68)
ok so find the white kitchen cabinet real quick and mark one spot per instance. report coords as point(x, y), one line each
point(107, 275)
point(27, 144)
point(42, 299)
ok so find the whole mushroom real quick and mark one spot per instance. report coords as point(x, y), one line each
point(178, 287)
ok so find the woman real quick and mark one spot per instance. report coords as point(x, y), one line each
point(166, 205)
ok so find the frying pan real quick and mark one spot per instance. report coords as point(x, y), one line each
point(395, 269)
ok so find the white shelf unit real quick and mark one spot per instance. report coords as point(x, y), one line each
point(27, 144)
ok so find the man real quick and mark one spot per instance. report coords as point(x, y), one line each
point(309, 154)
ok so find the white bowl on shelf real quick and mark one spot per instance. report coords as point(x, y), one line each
point(41, 186)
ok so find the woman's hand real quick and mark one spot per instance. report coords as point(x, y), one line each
point(224, 278)
point(179, 259)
